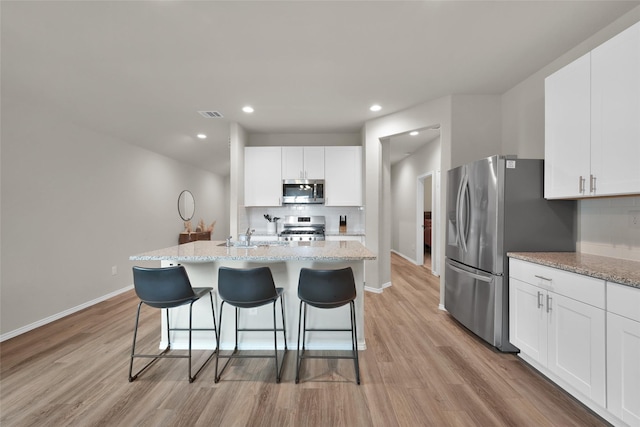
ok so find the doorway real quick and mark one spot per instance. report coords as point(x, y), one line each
point(426, 221)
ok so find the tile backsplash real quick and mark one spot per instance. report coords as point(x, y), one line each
point(610, 227)
point(605, 226)
point(254, 217)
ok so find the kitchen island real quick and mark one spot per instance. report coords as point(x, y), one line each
point(202, 259)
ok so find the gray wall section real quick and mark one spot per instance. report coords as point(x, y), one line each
point(75, 203)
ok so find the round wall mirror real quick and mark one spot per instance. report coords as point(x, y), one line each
point(186, 205)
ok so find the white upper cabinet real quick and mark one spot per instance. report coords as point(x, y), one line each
point(592, 122)
point(567, 130)
point(262, 176)
point(343, 176)
point(302, 162)
point(615, 114)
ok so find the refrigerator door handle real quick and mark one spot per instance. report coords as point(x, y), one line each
point(474, 275)
point(462, 206)
point(463, 212)
point(458, 224)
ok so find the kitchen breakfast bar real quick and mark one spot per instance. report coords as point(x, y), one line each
point(202, 259)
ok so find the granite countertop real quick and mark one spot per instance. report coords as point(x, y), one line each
point(205, 251)
point(616, 270)
point(346, 233)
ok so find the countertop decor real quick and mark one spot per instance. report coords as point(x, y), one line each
point(616, 270)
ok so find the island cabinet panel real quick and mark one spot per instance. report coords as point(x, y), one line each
point(557, 320)
point(592, 122)
point(623, 352)
point(262, 176)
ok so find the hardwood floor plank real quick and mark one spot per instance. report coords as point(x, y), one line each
point(420, 368)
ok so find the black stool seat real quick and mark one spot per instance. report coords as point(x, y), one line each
point(326, 289)
point(250, 288)
point(166, 288)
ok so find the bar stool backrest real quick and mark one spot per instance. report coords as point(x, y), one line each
point(164, 287)
point(246, 287)
point(326, 288)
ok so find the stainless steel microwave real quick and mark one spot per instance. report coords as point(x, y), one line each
point(299, 191)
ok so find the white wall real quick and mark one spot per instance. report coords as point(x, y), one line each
point(470, 128)
point(476, 126)
point(300, 139)
point(75, 203)
point(404, 178)
point(377, 187)
point(603, 226)
point(237, 141)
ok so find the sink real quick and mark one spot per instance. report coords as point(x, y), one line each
point(238, 245)
point(255, 244)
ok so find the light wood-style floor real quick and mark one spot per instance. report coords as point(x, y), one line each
point(420, 369)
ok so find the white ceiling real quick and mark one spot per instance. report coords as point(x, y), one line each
point(140, 71)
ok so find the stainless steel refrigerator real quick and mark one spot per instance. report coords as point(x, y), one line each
point(494, 206)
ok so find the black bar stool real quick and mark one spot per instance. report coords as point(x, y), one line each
point(249, 288)
point(166, 288)
point(327, 289)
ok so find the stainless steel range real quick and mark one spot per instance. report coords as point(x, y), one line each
point(302, 228)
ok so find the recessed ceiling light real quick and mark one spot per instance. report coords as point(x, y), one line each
point(375, 107)
point(247, 109)
point(414, 133)
point(201, 136)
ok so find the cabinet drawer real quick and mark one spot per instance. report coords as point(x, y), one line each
point(623, 300)
point(576, 286)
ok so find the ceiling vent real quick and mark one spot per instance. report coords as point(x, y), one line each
point(211, 114)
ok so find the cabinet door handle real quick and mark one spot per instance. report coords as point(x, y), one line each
point(549, 300)
point(542, 277)
point(580, 184)
point(592, 183)
point(539, 299)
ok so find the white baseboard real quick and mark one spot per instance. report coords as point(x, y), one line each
point(62, 314)
point(411, 260)
point(441, 307)
point(377, 290)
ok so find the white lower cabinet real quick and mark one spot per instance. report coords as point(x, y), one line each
point(528, 320)
point(623, 353)
point(557, 320)
point(576, 345)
